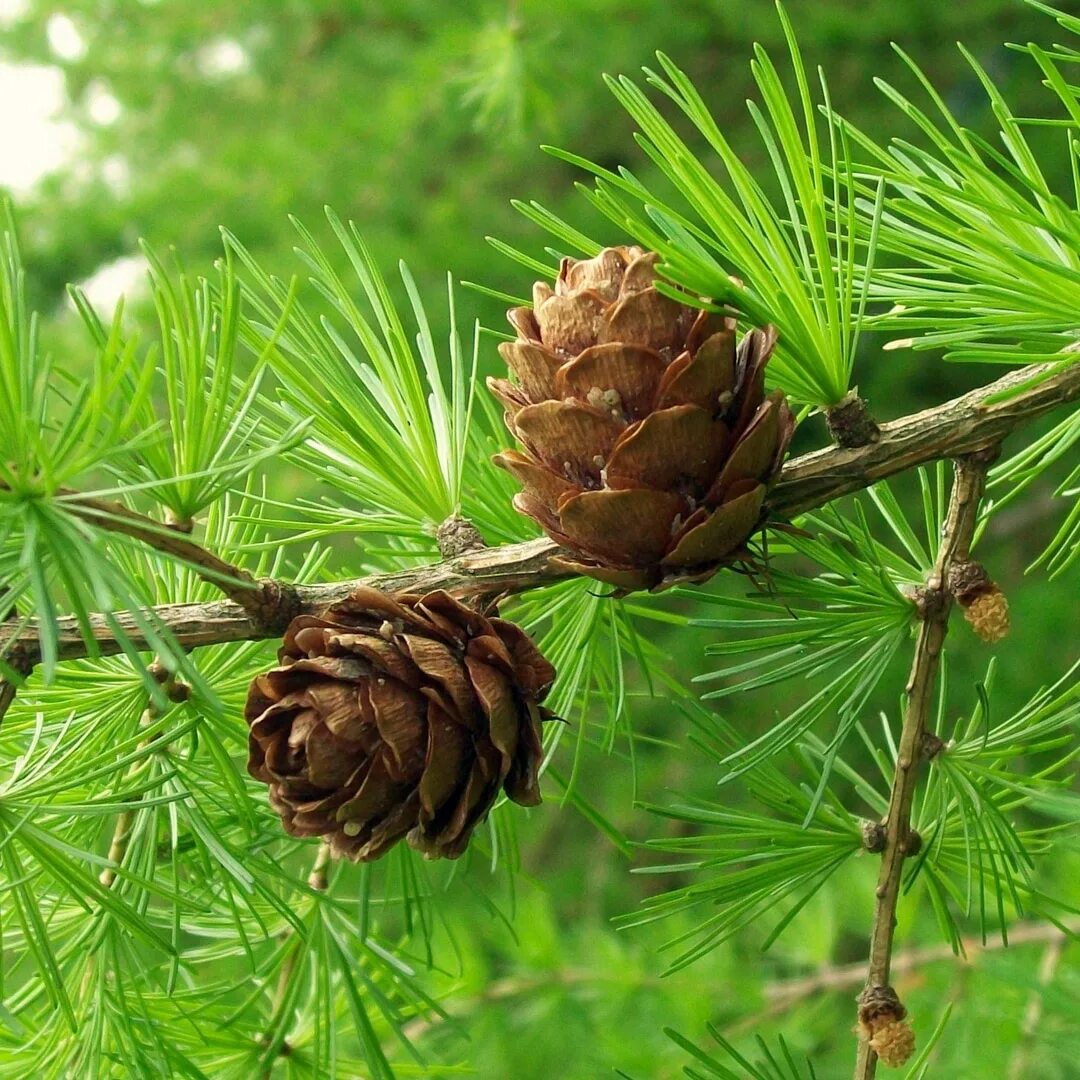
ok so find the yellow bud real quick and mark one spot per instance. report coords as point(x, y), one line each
point(988, 616)
point(894, 1043)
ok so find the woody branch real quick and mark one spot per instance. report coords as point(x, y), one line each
point(954, 428)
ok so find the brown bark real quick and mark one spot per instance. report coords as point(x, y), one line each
point(954, 428)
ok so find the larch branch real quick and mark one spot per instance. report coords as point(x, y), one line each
point(954, 428)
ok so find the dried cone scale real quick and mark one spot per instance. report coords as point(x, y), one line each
point(398, 717)
point(649, 441)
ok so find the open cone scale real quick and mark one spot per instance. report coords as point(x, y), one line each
point(649, 441)
point(398, 717)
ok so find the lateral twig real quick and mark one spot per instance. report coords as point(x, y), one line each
point(275, 1041)
point(969, 482)
point(261, 600)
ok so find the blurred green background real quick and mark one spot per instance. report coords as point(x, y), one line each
point(420, 120)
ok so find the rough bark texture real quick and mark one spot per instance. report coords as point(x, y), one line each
point(850, 422)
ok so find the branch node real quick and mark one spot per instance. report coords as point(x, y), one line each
point(457, 535)
point(930, 745)
point(272, 605)
point(178, 524)
point(20, 656)
point(850, 423)
point(317, 879)
point(982, 458)
point(930, 602)
point(912, 843)
point(873, 836)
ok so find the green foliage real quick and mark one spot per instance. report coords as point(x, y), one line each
point(1017, 473)
point(796, 263)
point(56, 428)
point(976, 226)
point(775, 1065)
point(840, 629)
point(749, 862)
point(974, 855)
point(211, 440)
point(386, 430)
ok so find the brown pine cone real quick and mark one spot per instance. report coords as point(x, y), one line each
point(649, 439)
point(394, 717)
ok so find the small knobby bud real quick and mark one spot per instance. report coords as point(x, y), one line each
point(912, 843)
point(177, 692)
point(929, 601)
point(850, 423)
point(883, 1023)
point(158, 672)
point(873, 836)
point(457, 536)
point(985, 606)
point(930, 745)
point(175, 689)
point(177, 523)
point(879, 1004)
point(19, 660)
point(272, 605)
point(968, 580)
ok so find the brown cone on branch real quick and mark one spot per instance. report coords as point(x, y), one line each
point(649, 441)
point(398, 717)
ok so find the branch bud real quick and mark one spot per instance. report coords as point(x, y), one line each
point(873, 836)
point(458, 536)
point(883, 1023)
point(850, 422)
point(985, 607)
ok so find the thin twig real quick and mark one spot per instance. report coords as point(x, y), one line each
point(957, 427)
point(969, 482)
point(1018, 1066)
point(949, 430)
point(252, 596)
point(786, 992)
point(509, 569)
point(781, 995)
point(318, 881)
